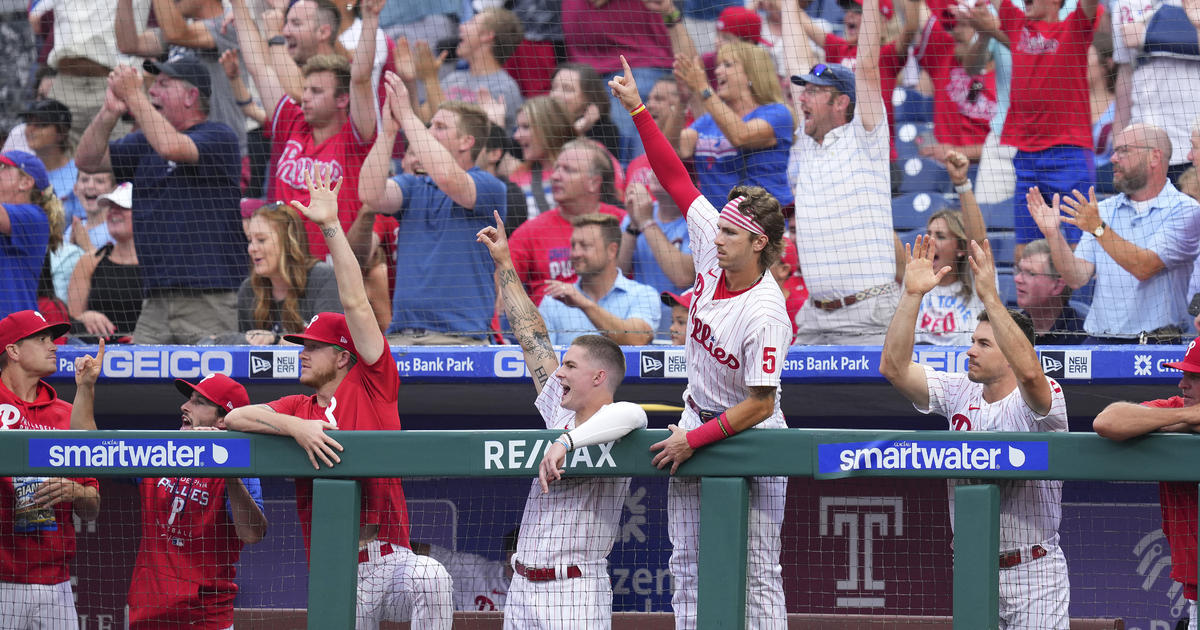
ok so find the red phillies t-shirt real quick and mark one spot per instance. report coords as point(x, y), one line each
point(1049, 96)
point(541, 250)
point(891, 63)
point(38, 557)
point(1178, 499)
point(963, 104)
point(796, 297)
point(293, 153)
point(364, 401)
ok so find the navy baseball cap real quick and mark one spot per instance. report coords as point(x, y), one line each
point(185, 68)
point(833, 75)
point(29, 164)
point(48, 112)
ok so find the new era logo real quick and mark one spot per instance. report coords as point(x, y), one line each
point(261, 364)
point(1051, 365)
point(652, 364)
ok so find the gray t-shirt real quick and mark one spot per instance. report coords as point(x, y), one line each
point(461, 85)
point(320, 295)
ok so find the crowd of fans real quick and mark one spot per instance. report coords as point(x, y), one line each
point(154, 148)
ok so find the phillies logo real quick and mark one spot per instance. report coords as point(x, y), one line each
point(960, 423)
point(292, 166)
point(702, 334)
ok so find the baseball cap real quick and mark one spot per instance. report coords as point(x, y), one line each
point(122, 196)
point(47, 112)
point(1191, 360)
point(22, 324)
point(833, 75)
point(886, 9)
point(672, 299)
point(328, 328)
point(218, 389)
point(29, 164)
point(742, 23)
point(185, 68)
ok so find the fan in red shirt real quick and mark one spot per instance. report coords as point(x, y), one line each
point(786, 272)
point(1122, 420)
point(347, 361)
point(37, 534)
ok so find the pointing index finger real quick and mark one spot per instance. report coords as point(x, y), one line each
point(628, 70)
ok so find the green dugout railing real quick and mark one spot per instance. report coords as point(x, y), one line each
point(722, 467)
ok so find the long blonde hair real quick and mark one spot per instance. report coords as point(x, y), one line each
point(759, 68)
point(295, 263)
point(53, 208)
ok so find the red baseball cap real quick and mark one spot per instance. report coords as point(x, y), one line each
point(1191, 360)
point(682, 299)
point(219, 389)
point(22, 324)
point(328, 328)
point(742, 23)
point(885, 7)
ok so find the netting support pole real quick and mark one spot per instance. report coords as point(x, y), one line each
point(976, 553)
point(724, 516)
point(333, 566)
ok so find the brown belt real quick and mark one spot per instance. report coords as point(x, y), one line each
point(1011, 559)
point(866, 294)
point(82, 67)
point(546, 574)
point(705, 414)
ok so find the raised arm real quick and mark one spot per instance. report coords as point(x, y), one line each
point(666, 164)
point(869, 94)
point(129, 40)
point(1142, 262)
point(797, 53)
point(178, 30)
point(360, 317)
point(92, 153)
point(523, 316)
point(257, 57)
point(362, 91)
point(87, 372)
point(1076, 271)
point(449, 177)
point(681, 41)
point(973, 223)
point(895, 361)
point(1015, 346)
point(167, 141)
point(375, 188)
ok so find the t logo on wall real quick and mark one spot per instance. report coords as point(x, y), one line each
point(862, 520)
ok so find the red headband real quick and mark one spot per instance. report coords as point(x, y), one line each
point(731, 214)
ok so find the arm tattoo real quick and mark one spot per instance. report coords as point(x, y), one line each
point(328, 232)
point(540, 375)
point(275, 429)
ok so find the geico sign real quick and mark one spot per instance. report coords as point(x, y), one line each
point(166, 363)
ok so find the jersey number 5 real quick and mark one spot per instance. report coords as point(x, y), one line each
point(769, 360)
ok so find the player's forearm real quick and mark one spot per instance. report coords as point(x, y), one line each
point(87, 504)
point(527, 324)
point(248, 519)
point(612, 422)
point(1020, 354)
point(259, 419)
point(346, 270)
point(83, 417)
point(665, 163)
point(1121, 421)
point(754, 409)
point(896, 355)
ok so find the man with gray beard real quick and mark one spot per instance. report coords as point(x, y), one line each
point(1139, 245)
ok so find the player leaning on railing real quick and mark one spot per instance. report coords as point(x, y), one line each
point(569, 525)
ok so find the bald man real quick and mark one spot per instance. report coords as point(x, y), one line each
point(1139, 245)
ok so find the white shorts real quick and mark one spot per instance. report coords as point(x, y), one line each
point(582, 603)
point(1035, 595)
point(37, 607)
point(403, 586)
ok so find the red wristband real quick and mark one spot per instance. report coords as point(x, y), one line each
point(714, 430)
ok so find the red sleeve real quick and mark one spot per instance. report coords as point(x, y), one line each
point(1012, 20)
point(937, 47)
point(836, 49)
point(666, 164)
point(891, 62)
point(1173, 402)
point(381, 378)
point(287, 404)
point(89, 482)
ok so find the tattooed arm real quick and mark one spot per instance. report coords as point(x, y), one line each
point(523, 316)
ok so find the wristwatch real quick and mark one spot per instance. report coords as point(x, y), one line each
point(705, 94)
point(632, 230)
point(1099, 231)
point(278, 40)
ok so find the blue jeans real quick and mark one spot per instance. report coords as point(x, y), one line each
point(631, 143)
point(1059, 169)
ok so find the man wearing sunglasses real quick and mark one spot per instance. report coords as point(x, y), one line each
point(843, 191)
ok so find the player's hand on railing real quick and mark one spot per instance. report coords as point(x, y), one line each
point(323, 188)
point(496, 241)
point(1082, 212)
point(984, 265)
point(1046, 217)
point(675, 450)
point(919, 276)
point(551, 468)
point(625, 88)
point(87, 367)
point(312, 437)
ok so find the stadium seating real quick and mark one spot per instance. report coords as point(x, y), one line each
point(912, 211)
point(910, 105)
point(924, 175)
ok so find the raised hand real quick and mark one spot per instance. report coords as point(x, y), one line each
point(496, 241)
point(1082, 212)
point(395, 88)
point(493, 106)
point(229, 63)
point(956, 164)
point(87, 367)
point(625, 88)
point(125, 82)
point(1046, 217)
point(639, 203)
point(983, 264)
point(323, 188)
point(919, 275)
point(690, 72)
point(427, 65)
point(402, 58)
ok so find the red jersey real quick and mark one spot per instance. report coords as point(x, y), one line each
point(541, 250)
point(293, 153)
point(38, 557)
point(1178, 499)
point(797, 295)
point(963, 104)
point(188, 538)
point(1049, 103)
point(364, 401)
point(891, 63)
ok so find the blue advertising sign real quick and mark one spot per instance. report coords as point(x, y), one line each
point(139, 453)
point(966, 456)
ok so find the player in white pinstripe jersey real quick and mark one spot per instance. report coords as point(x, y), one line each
point(570, 525)
point(738, 336)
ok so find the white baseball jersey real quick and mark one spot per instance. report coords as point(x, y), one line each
point(576, 523)
point(735, 341)
point(1030, 510)
point(479, 583)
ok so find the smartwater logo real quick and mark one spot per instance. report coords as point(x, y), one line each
point(963, 456)
point(139, 453)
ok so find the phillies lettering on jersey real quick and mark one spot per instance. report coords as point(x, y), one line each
point(293, 165)
point(702, 333)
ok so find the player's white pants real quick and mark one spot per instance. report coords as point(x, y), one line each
point(765, 609)
point(1192, 624)
point(403, 586)
point(582, 603)
point(37, 607)
point(1035, 595)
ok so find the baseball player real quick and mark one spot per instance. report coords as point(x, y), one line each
point(738, 336)
point(346, 360)
point(1122, 420)
point(1004, 389)
point(569, 525)
point(479, 583)
point(193, 529)
point(37, 534)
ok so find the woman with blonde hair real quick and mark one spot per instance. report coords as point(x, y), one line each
point(746, 131)
point(543, 127)
point(287, 286)
point(31, 223)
